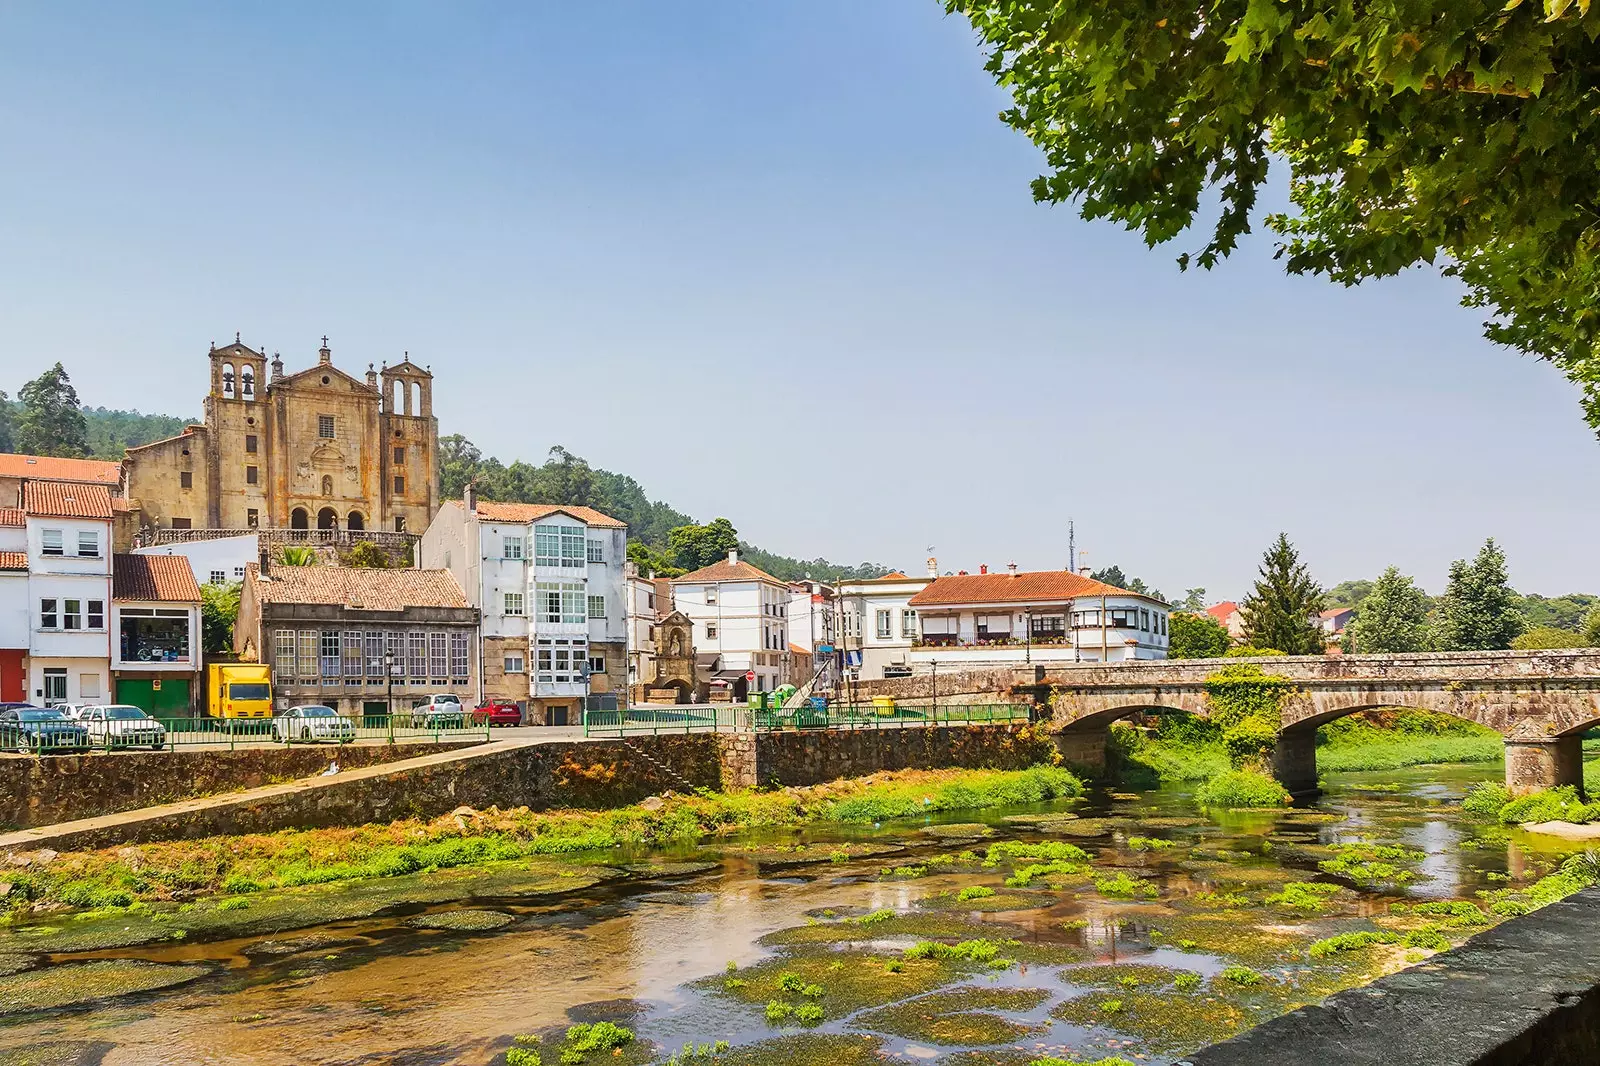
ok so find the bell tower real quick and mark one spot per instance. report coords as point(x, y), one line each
point(236, 418)
point(411, 438)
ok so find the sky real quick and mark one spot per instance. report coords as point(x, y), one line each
point(777, 261)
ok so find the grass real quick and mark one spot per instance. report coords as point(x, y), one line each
point(1241, 790)
point(241, 865)
point(1395, 752)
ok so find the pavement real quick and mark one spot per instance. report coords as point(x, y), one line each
point(536, 734)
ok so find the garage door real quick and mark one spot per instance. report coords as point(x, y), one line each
point(169, 701)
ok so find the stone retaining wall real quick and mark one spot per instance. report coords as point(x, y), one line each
point(958, 686)
point(62, 788)
point(812, 757)
point(1525, 993)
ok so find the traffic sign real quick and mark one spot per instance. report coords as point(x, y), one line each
point(749, 675)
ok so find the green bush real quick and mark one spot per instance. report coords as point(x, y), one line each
point(974, 892)
point(521, 1056)
point(1243, 976)
point(1560, 804)
point(1241, 789)
point(1485, 799)
point(599, 1036)
point(1303, 895)
point(1000, 789)
point(1351, 942)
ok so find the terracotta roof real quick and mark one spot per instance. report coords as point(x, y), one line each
point(1335, 612)
point(491, 511)
point(1030, 587)
point(897, 576)
point(796, 649)
point(12, 516)
point(359, 587)
point(722, 570)
point(168, 578)
point(95, 471)
point(1222, 611)
point(13, 560)
point(61, 499)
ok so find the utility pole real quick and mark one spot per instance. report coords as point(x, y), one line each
point(1072, 548)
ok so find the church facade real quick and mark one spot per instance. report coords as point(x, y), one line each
point(317, 449)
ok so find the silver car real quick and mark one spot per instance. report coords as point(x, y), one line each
point(121, 725)
point(311, 723)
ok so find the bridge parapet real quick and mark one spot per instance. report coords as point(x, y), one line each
point(1566, 663)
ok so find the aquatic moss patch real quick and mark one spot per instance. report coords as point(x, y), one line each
point(959, 831)
point(71, 984)
point(463, 921)
point(1002, 900)
point(1122, 975)
point(807, 1049)
point(670, 869)
point(1241, 789)
point(1234, 935)
point(1171, 1024)
point(918, 926)
point(1370, 864)
point(961, 1017)
point(10, 964)
point(849, 980)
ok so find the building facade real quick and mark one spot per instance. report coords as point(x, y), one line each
point(365, 641)
point(740, 615)
point(1039, 617)
point(17, 470)
point(217, 561)
point(68, 536)
point(1227, 613)
point(156, 653)
point(647, 601)
point(878, 625)
point(551, 585)
point(16, 612)
point(318, 449)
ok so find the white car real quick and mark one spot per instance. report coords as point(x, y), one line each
point(311, 723)
point(442, 710)
point(121, 725)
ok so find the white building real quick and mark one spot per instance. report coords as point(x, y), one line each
point(878, 625)
point(740, 615)
point(214, 562)
point(68, 530)
point(648, 600)
point(1039, 618)
point(16, 612)
point(550, 585)
point(155, 619)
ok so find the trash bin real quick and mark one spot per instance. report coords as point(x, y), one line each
point(883, 706)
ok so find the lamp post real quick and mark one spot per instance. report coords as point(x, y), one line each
point(390, 668)
point(934, 663)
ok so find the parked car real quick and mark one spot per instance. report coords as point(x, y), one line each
point(497, 712)
point(121, 725)
point(442, 710)
point(311, 723)
point(41, 731)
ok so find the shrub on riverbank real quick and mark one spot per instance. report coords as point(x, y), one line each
point(1241, 789)
point(187, 869)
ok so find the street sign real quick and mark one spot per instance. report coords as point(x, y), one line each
point(749, 675)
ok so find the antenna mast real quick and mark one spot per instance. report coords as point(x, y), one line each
point(1072, 548)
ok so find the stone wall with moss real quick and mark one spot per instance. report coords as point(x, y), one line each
point(813, 756)
point(61, 788)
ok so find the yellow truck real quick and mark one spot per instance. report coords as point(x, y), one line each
point(239, 690)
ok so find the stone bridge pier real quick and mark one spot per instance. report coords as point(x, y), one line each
point(1539, 702)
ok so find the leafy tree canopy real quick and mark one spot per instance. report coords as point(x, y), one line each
point(1563, 612)
point(1540, 638)
point(1113, 576)
point(1460, 134)
point(1591, 629)
point(1196, 636)
point(7, 423)
point(219, 610)
point(1278, 611)
point(1348, 594)
point(52, 422)
point(696, 546)
point(1393, 617)
point(1194, 601)
point(1479, 610)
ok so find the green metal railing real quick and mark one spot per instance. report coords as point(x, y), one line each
point(230, 733)
point(666, 719)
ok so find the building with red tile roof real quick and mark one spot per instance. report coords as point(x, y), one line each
point(17, 470)
point(741, 616)
point(1227, 612)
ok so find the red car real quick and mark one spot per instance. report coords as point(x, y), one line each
point(497, 712)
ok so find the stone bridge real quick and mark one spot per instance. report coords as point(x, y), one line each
point(1539, 701)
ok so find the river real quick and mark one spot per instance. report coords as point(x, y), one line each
point(691, 945)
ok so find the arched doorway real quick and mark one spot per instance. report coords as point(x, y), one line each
point(355, 521)
point(327, 518)
point(299, 519)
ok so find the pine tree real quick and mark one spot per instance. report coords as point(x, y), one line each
point(52, 421)
point(1392, 618)
point(1479, 609)
point(1278, 612)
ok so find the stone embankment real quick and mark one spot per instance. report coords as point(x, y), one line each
point(525, 773)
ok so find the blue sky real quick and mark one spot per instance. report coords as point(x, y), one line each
point(778, 261)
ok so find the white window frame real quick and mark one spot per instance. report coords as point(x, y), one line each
point(711, 631)
point(883, 624)
point(88, 539)
point(908, 624)
point(50, 613)
point(597, 606)
point(511, 547)
point(597, 550)
point(52, 543)
point(516, 664)
point(711, 595)
point(597, 664)
point(515, 605)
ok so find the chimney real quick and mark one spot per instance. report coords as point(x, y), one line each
point(983, 568)
point(471, 495)
point(733, 556)
point(1084, 571)
point(266, 560)
point(933, 566)
point(1013, 568)
point(372, 377)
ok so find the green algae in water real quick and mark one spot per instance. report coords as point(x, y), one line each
point(890, 927)
point(1167, 1024)
point(1236, 935)
point(1122, 975)
point(464, 921)
point(809, 1049)
point(1002, 900)
point(961, 1017)
point(86, 982)
point(850, 980)
point(959, 831)
point(670, 869)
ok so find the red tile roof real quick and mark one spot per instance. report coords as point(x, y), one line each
point(167, 578)
point(795, 649)
point(1050, 586)
point(1335, 612)
point(12, 516)
point(13, 561)
point(1223, 611)
point(722, 570)
point(491, 511)
point(359, 587)
point(60, 499)
point(95, 471)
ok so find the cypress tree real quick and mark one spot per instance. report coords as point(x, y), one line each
point(1278, 612)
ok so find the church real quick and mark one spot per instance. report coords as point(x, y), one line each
point(317, 449)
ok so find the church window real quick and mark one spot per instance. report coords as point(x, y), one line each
point(325, 427)
point(185, 480)
point(252, 475)
point(247, 382)
point(227, 380)
point(250, 443)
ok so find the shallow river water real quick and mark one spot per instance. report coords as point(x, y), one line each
point(691, 946)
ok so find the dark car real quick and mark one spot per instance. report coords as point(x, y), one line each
point(41, 731)
point(497, 712)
